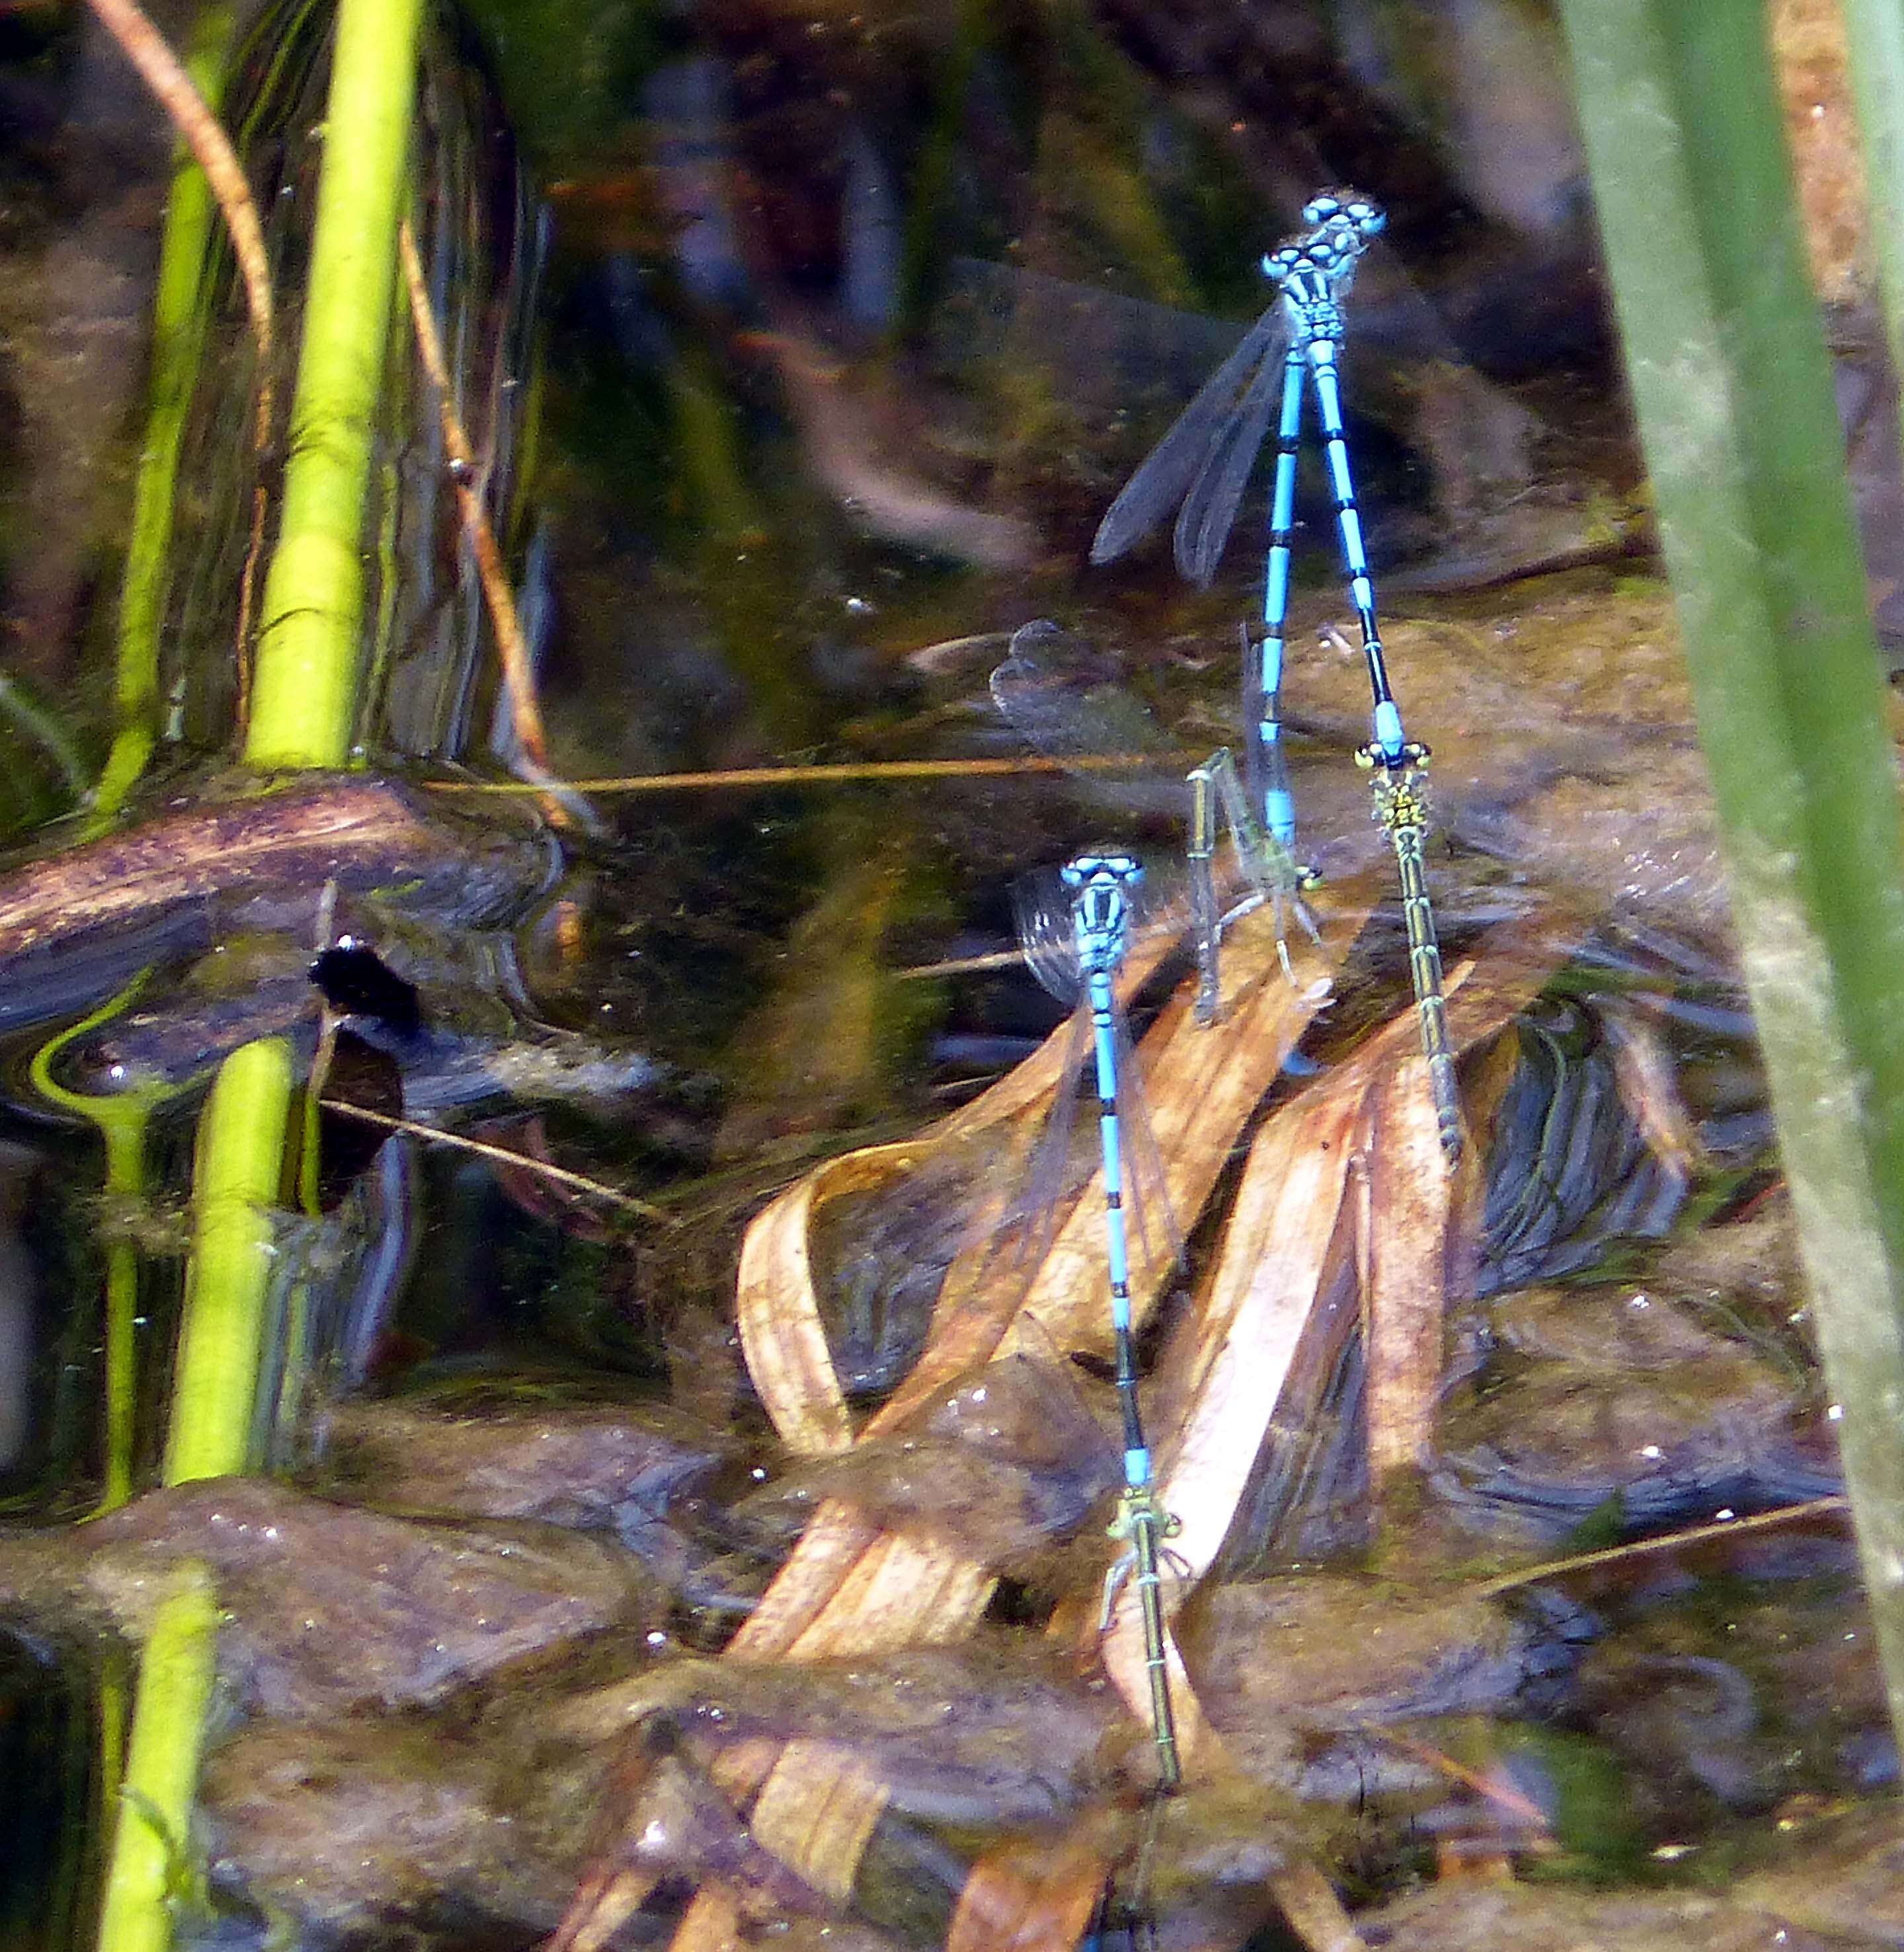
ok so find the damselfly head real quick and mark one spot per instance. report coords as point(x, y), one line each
point(1345, 206)
point(1109, 869)
point(1341, 224)
point(1102, 887)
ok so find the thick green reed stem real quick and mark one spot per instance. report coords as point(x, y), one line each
point(151, 1847)
point(236, 1184)
point(1733, 387)
point(302, 712)
point(304, 702)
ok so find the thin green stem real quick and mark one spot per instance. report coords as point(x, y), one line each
point(122, 1118)
point(44, 729)
point(181, 308)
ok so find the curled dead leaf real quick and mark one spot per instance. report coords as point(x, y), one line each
point(1345, 1212)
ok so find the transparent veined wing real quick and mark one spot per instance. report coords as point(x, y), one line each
point(1209, 510)
point(1042, 909)
point(1019, 1224)
point(1167, 474)
point(1063, 700)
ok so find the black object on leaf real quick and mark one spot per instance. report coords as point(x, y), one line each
point(356, 981)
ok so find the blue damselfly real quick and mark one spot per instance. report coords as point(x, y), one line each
point(1201, 468)
point(1075, 948)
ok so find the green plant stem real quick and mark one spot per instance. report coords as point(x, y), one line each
point(44, 728)
point(303, 704)
point(149, 1844)
point(742, 587)
point(179, 311)
point(932, 172)
point(126, 1177)
point(1733, 387)
point(122, 1118)
point(240, 1163)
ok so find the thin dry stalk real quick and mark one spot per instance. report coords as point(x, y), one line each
point(1837, 1505)
point(854, 771)
point(248, 576)
point(200, 130)
point(148, 51)
point(558, 1175)
point(519, 681)
point(1503, 1795)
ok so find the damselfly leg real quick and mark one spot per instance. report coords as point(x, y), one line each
point(1270, 877)
point(1054, 698)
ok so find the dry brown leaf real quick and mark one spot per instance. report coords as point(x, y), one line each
point(1271, 1268)
point(1202, 1087)
point(782, 1330)
point(1027, 1898)
point(829, 1549)
point(1314, 1912)
point(903, 1590)
point(1262, 1337)
point(817, 1813)
point(712, 1924)
point(1405, 1216)
point(606, 1899)
point(1643, 1071)
point(848, 1588)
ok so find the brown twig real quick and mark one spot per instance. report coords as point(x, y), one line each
point(1671, 1541)
point(248, 576)
point(961, 965)
point(148, 51)
point(502, 1155)
point(200, 130)
point(1502, 1795)
point(518, 679)
point(871, 769)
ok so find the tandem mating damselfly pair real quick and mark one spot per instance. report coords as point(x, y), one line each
point(1076, 945)
point(1201, 468)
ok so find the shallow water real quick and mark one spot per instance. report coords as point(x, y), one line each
point(852, 326)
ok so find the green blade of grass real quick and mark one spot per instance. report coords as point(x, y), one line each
point(1732, 388)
